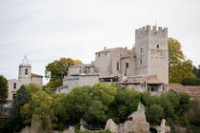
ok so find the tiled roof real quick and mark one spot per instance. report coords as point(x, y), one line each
point(193, 91)
point(35, 75)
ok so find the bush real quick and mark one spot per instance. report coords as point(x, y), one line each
point(191, 81)
point(154, 114)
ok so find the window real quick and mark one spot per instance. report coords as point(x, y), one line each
point(127, 65)
point(14, 85)
point(26, 71)
point(141, 50)
point(117, 66)
point(14, 97)
point(140, 61)
point(157, 45)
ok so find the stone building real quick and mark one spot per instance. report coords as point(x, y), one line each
point(25, 77)
point(144, 68)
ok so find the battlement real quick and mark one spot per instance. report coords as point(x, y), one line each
point(148, 30)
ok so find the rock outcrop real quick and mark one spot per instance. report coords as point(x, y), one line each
point(136, 123)
point(162, 128)
point(112, 126)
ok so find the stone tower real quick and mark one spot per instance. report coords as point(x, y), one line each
point(151, 45)
point(25, 71)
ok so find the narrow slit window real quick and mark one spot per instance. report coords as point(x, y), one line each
point(14, 85)
point(26, 71)
point(127, 65)
point(117, 66)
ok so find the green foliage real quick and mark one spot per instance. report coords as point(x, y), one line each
point(179, 67)
point(53, 84)
point(169, 105)
point(147, 99)
point(96, 105)
point(196, 71)
point(194, 112)
point(22, 97)
point(96, 112)
point(169, 101)
point(3, 88)
point(58, 68)
point(59, 109)
point(191, 81)
point(154, 114)
point(90, 103)
point(126, 101)
point(184, 103)
point(32, 88)
point(38, 109)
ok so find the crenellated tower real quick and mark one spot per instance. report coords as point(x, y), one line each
point(151, 45)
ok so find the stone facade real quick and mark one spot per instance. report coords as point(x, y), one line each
point(144, 68)
point(152, 52)
point(25, 77)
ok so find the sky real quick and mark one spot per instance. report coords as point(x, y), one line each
point(46, 30)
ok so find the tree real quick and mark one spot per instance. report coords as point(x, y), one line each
point(77, 103)
point(59, 108)
point(154, 114)
point(22, 97)
point(77, 62)
point(38, 110)
point(169, 101)
point(191, 81)
point(58, 68)
point(32, 88)
point(53, 84)
point(3, 88)
point(194, 112)
point(102, 96)
point(179, 67)
point(125, 102)
point(196, 71)
point(90, 103)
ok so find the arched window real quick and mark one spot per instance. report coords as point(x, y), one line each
point(26, 71)
point(157, 45)
point(14, 85)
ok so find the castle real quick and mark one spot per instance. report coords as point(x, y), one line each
point(25, 77)
point(144, 68)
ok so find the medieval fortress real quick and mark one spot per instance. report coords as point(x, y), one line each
point(144, 68)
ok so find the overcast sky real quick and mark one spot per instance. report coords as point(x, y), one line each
point(46, 30)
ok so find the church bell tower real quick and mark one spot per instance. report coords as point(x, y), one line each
point(25, 71)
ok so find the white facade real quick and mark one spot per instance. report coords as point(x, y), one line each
point(25, 77)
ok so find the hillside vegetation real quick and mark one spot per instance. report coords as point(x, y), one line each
point(96, 105)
